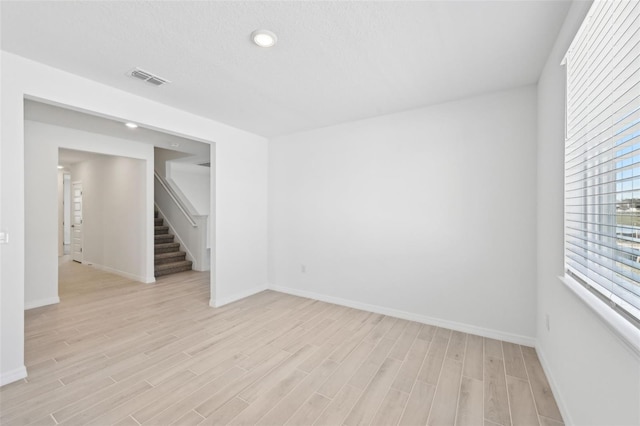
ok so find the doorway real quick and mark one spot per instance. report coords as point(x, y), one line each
point(49, 129)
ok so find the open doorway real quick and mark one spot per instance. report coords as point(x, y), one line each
point(50, 130)
point(107, 211)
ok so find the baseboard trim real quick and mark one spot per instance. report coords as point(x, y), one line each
point(465, 328)
point(41, 302)
point(142, 279)
point(13, 375)
point(217, 303)
point(562, 406)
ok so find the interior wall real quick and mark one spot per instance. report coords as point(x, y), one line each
point(42, 142)
point(192, 181)
point(239, 230)
point(113, 210)
point(427, 214)
point(595, 377)
point(161, 156)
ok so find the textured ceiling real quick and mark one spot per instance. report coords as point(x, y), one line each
point(334, 61)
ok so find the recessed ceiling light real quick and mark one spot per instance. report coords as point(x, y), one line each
point(131, 125)
point(61, 167)
point(264, 38)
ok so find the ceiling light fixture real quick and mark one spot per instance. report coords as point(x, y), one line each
point(60, 167)
point(264, 38)
point(131, 125)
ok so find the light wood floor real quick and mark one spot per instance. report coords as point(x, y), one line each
point(118, 352)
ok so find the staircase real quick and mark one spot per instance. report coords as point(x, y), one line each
point(168, 258)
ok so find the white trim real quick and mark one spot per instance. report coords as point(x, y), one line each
point(41, 302)
point(620, 327)
point(465, 328)
point(562, 406)
point(13, 375)
point(140, 278)
point(216, 303)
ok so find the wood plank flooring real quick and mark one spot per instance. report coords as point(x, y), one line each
point(120, 352)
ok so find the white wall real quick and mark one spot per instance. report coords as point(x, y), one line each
point(161, 156)
point(113, 214)
point(596, 378)
point(427, 214)
point(239, 259)
point(192, 181)
point(42, 142)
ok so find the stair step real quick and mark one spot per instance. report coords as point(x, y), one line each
point(166, 238)
point(155, 213)
point(172, 268)
point(173, 256)
point(158, 221)
point(166, 248)
point(161, 230)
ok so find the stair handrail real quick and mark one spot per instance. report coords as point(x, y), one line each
point(175, 199)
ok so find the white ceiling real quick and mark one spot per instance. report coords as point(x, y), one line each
point(334, 62)
point(68, 157)
point(37, 111)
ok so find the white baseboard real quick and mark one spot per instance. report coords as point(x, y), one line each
point(216, 303)
point(41, 302)
point(566, 417)
point(142, 279)
point(13, 375)
point(465, 328)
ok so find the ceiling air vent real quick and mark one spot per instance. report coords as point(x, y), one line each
point(148, 77)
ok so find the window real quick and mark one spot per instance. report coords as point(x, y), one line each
point(602, 155)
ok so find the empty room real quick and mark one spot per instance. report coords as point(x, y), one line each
point(320, 212)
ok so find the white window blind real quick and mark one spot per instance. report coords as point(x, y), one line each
point(602, 154)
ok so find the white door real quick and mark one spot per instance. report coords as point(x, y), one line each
point(76, 221)
point(66, 210)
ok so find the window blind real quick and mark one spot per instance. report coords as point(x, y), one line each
point(602, 154)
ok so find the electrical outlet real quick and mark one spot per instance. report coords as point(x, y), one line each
point(303, 269)
point(548, 322)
